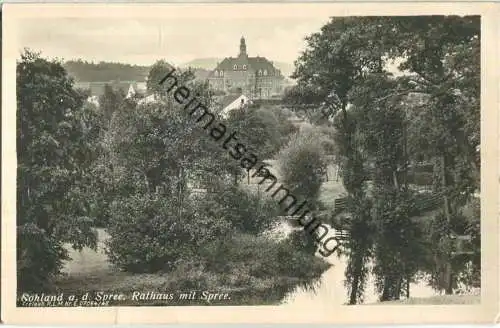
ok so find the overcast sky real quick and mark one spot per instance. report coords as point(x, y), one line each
point(177, 40)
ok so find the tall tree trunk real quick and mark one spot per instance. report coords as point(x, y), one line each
point(146, 181)
point(356, 281)
point(449, 286)
point(395, 180)
point(408, 279)
point(446, 205)
point(179, 191)
point(386, 293)
point(353, 297)
point(398, 286)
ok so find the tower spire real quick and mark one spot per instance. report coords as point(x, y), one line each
point(243, 47)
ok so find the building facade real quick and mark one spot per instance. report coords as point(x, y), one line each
point(255, 77)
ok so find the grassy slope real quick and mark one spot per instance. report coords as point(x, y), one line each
point(90, 271)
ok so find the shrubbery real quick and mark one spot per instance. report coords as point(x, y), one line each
point(149, 233)
point(465, 266)
point(247, 212)
point(40, 258)
point(249, 257)
point(263, 129)
point(303, 164)
point(216, 242)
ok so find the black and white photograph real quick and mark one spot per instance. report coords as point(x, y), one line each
point(294, 161)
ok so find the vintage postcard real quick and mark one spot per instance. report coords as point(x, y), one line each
point(250, 163)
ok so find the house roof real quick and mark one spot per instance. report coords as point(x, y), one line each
point(245, 63)
point(253, 64)
point(229, 99)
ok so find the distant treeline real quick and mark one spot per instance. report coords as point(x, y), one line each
point(84, 71)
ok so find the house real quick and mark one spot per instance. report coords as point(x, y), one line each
point(131, 91)
point(256, 77)
point(94, 100)
point(136, 89)
point(148, 98)
point(232, 102)
point(127, 88)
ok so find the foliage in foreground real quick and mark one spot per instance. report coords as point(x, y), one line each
point(384, 124)
point(56, 145)
point(263, 130)
point(302, 163)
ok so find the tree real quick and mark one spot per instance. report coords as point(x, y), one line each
point(156, 73)
point(260, 129)
point(302, 164)
point(441, 63)
point(336, 60)
point(55, 142)
point(157, 154)
point(443, 52)
point(398, 239)
point(110, 101)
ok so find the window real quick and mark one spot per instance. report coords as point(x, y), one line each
point(244, 66)
point(221, 73)
point(265, 72)
point(235, 67)
point(216, 73)
point(260, 72)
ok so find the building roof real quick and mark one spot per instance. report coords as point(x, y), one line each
point(229, 99)
point(252, 63)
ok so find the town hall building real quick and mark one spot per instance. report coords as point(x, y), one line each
point(255, 77)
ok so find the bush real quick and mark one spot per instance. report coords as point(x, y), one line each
point(248, 258)
point(39, 259)
point(420, 178)
point(303, 164)
point(286, 128)
point(247, 212)
point(150, 233)
point(213, 243)
point(466, 268)
point(263, 130)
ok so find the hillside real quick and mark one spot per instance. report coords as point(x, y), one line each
point(83, 71)
point(201, 73)
point(205, 63)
